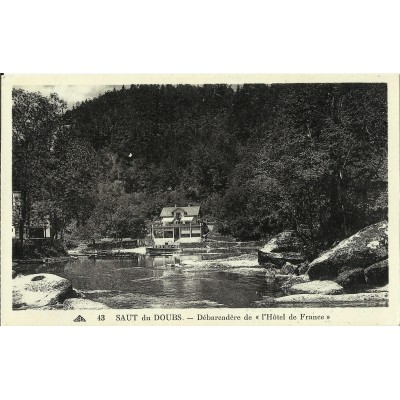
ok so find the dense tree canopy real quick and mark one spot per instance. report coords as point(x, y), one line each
point(258, 158)
point(36, 123)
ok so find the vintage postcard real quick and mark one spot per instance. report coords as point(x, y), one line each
point(200, 200)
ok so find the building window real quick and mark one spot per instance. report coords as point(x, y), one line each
point(185, 232)
point(168, 234)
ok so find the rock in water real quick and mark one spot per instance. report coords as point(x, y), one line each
point(378, 273)
point(288, 269)
point(317, 287)
point(83, 304)
point(364, 248)
point(350, 278)
point(282, 248)
point(40, 290)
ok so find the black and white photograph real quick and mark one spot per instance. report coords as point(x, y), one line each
point(199, 200)
point(200, 195)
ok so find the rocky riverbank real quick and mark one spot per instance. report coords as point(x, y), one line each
point(357, 264)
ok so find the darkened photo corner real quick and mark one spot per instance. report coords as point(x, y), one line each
point(148, 196)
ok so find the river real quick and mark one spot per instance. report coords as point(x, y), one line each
point(181, 280)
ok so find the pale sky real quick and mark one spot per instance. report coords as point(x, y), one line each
point(71, 93)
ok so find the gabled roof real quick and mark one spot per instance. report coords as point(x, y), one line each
point(192, 211)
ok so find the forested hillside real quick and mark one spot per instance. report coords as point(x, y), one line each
point(257, 158)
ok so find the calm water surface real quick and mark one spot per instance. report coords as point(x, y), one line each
point(164, 281)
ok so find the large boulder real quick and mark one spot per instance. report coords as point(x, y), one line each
point(351, 278)
point(316, 287)
point(286, 241)
point(378, 273)
point(361, 250)
point(282, 248)
point(83, 304)
point(40, 290)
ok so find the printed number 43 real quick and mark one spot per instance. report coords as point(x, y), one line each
point(101, 318)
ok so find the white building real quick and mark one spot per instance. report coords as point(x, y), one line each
point(178, 225)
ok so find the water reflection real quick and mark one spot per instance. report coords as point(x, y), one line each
point(162, 281)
